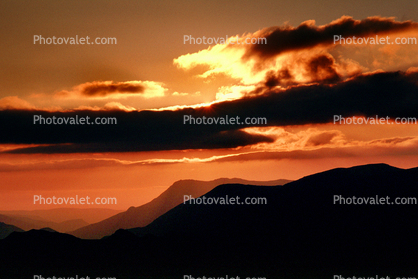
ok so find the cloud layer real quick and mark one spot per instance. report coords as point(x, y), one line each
point(307, 35)
point(304, 54)
point(393, 94)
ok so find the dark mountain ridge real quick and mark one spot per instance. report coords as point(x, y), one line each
point(299, 233)
point(143, 215)
point(6, 229)
point(28, 223)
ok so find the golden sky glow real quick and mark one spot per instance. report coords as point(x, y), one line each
point(150, 78)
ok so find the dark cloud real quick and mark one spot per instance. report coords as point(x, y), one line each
point(322, 138)
point(101, 89)
point(282, 77)
point(393, 94)
point(321, 68)
point(307, 35)
point(134, 131)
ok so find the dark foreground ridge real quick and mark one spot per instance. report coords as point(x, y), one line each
point(300, 233)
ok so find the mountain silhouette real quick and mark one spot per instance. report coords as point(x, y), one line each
point(299, 233)
point(36, 222)
point(6, 229)
point(143, 215)
point(59, 215)
point(48, 230)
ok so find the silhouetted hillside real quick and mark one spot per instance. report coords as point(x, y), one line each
point(299, 233)
point(48, 229)
point(27, 223)
point(59, 215)
point(6, 229)
point(145, 214)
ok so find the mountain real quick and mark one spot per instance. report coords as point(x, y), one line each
point(301, 224)
point(6, 229)
point(301, 232)
point(27, 223)
point(48, 230)
point(143, 215)
point(59, 215)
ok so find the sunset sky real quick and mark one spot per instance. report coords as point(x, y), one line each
point(151, 79)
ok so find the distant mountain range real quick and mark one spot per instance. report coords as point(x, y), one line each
point(6, 229)
point(143, 215)
point(27, 223)
point(59, 215)
point(59, 219)
point(300, 233)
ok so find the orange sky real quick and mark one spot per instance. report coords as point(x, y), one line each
point(298, 81)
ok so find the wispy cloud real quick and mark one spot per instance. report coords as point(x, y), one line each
point(115, 90)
